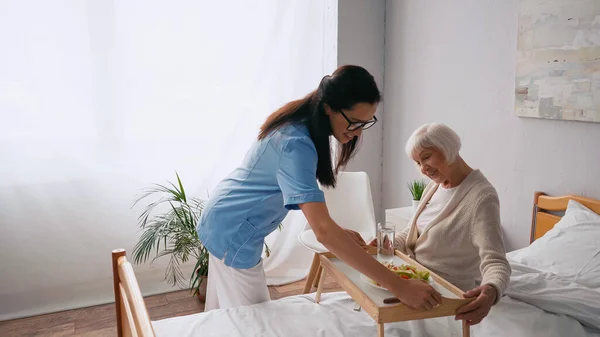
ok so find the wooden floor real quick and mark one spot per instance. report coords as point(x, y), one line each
point(100, 320)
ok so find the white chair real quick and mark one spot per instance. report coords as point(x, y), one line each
point(350, 205)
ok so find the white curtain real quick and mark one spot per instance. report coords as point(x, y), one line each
point(289, 260)
point(100, 99)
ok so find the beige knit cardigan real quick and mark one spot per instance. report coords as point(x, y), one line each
point(463, 243)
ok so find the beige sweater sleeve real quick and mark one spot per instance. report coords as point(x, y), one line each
point(401, 239)
point(487, 237)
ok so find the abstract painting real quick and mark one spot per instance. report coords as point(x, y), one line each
point(558, 60)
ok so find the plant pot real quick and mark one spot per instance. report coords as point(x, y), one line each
point(202, 291)
point(415, 204)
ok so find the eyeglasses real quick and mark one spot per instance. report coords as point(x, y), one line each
point(353, 126)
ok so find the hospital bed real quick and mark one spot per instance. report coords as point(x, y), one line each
point(554, 291)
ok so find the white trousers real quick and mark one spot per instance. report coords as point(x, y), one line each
point(231, 287)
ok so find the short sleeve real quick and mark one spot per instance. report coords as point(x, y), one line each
point(297, 173)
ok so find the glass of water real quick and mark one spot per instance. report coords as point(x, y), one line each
point(385, 244)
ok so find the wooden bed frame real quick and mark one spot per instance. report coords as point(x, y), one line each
point(544, 206)
point(132, 315)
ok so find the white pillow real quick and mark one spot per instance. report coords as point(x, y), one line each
point(571, 250)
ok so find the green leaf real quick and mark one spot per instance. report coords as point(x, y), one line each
point(181, 187)
point(416, 188)
point(176, 213)
point(176, 195)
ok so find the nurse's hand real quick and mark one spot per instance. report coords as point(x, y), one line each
point(356, 237)
point(413, 293)
point(416, 294)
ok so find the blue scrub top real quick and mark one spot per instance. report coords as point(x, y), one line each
point(277, 174)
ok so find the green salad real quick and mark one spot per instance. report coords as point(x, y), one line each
point(408, 272)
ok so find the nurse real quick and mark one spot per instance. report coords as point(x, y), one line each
point(281, 172)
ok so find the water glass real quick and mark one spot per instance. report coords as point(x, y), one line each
point(385, 244)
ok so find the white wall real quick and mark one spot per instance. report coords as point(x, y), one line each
point(361, 33)
point(454, 62)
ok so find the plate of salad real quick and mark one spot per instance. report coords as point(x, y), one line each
point(404, 271)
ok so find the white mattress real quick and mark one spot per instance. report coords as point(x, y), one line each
point(300, 316)
point(290, 317)
point(537, 304)
point(549, 295)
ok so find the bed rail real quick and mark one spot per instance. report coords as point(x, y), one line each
point(132, 315)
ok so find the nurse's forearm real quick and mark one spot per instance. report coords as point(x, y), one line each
point(346, 249)
point(342, 246)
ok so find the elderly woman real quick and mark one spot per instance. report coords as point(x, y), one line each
point(456, 229)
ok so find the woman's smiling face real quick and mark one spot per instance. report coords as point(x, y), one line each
point(432, 164)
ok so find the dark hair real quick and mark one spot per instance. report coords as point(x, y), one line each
point(347, 86)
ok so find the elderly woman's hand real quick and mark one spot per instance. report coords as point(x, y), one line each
point(477, 310)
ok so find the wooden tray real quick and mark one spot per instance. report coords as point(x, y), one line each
point(370, 298)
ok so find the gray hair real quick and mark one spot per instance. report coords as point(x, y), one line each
point(437, 136)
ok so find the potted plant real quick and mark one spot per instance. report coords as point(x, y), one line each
point(172, 231)
point(416, 188)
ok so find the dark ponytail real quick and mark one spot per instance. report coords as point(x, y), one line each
point(347, 86)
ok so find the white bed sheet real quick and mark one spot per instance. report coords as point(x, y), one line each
point(512, 317)
point(542, 304)
point(291, 317)
point(550, 294)
point(554, 294)
point(300, 316)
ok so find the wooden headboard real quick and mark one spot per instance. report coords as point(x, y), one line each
point(543, 220)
